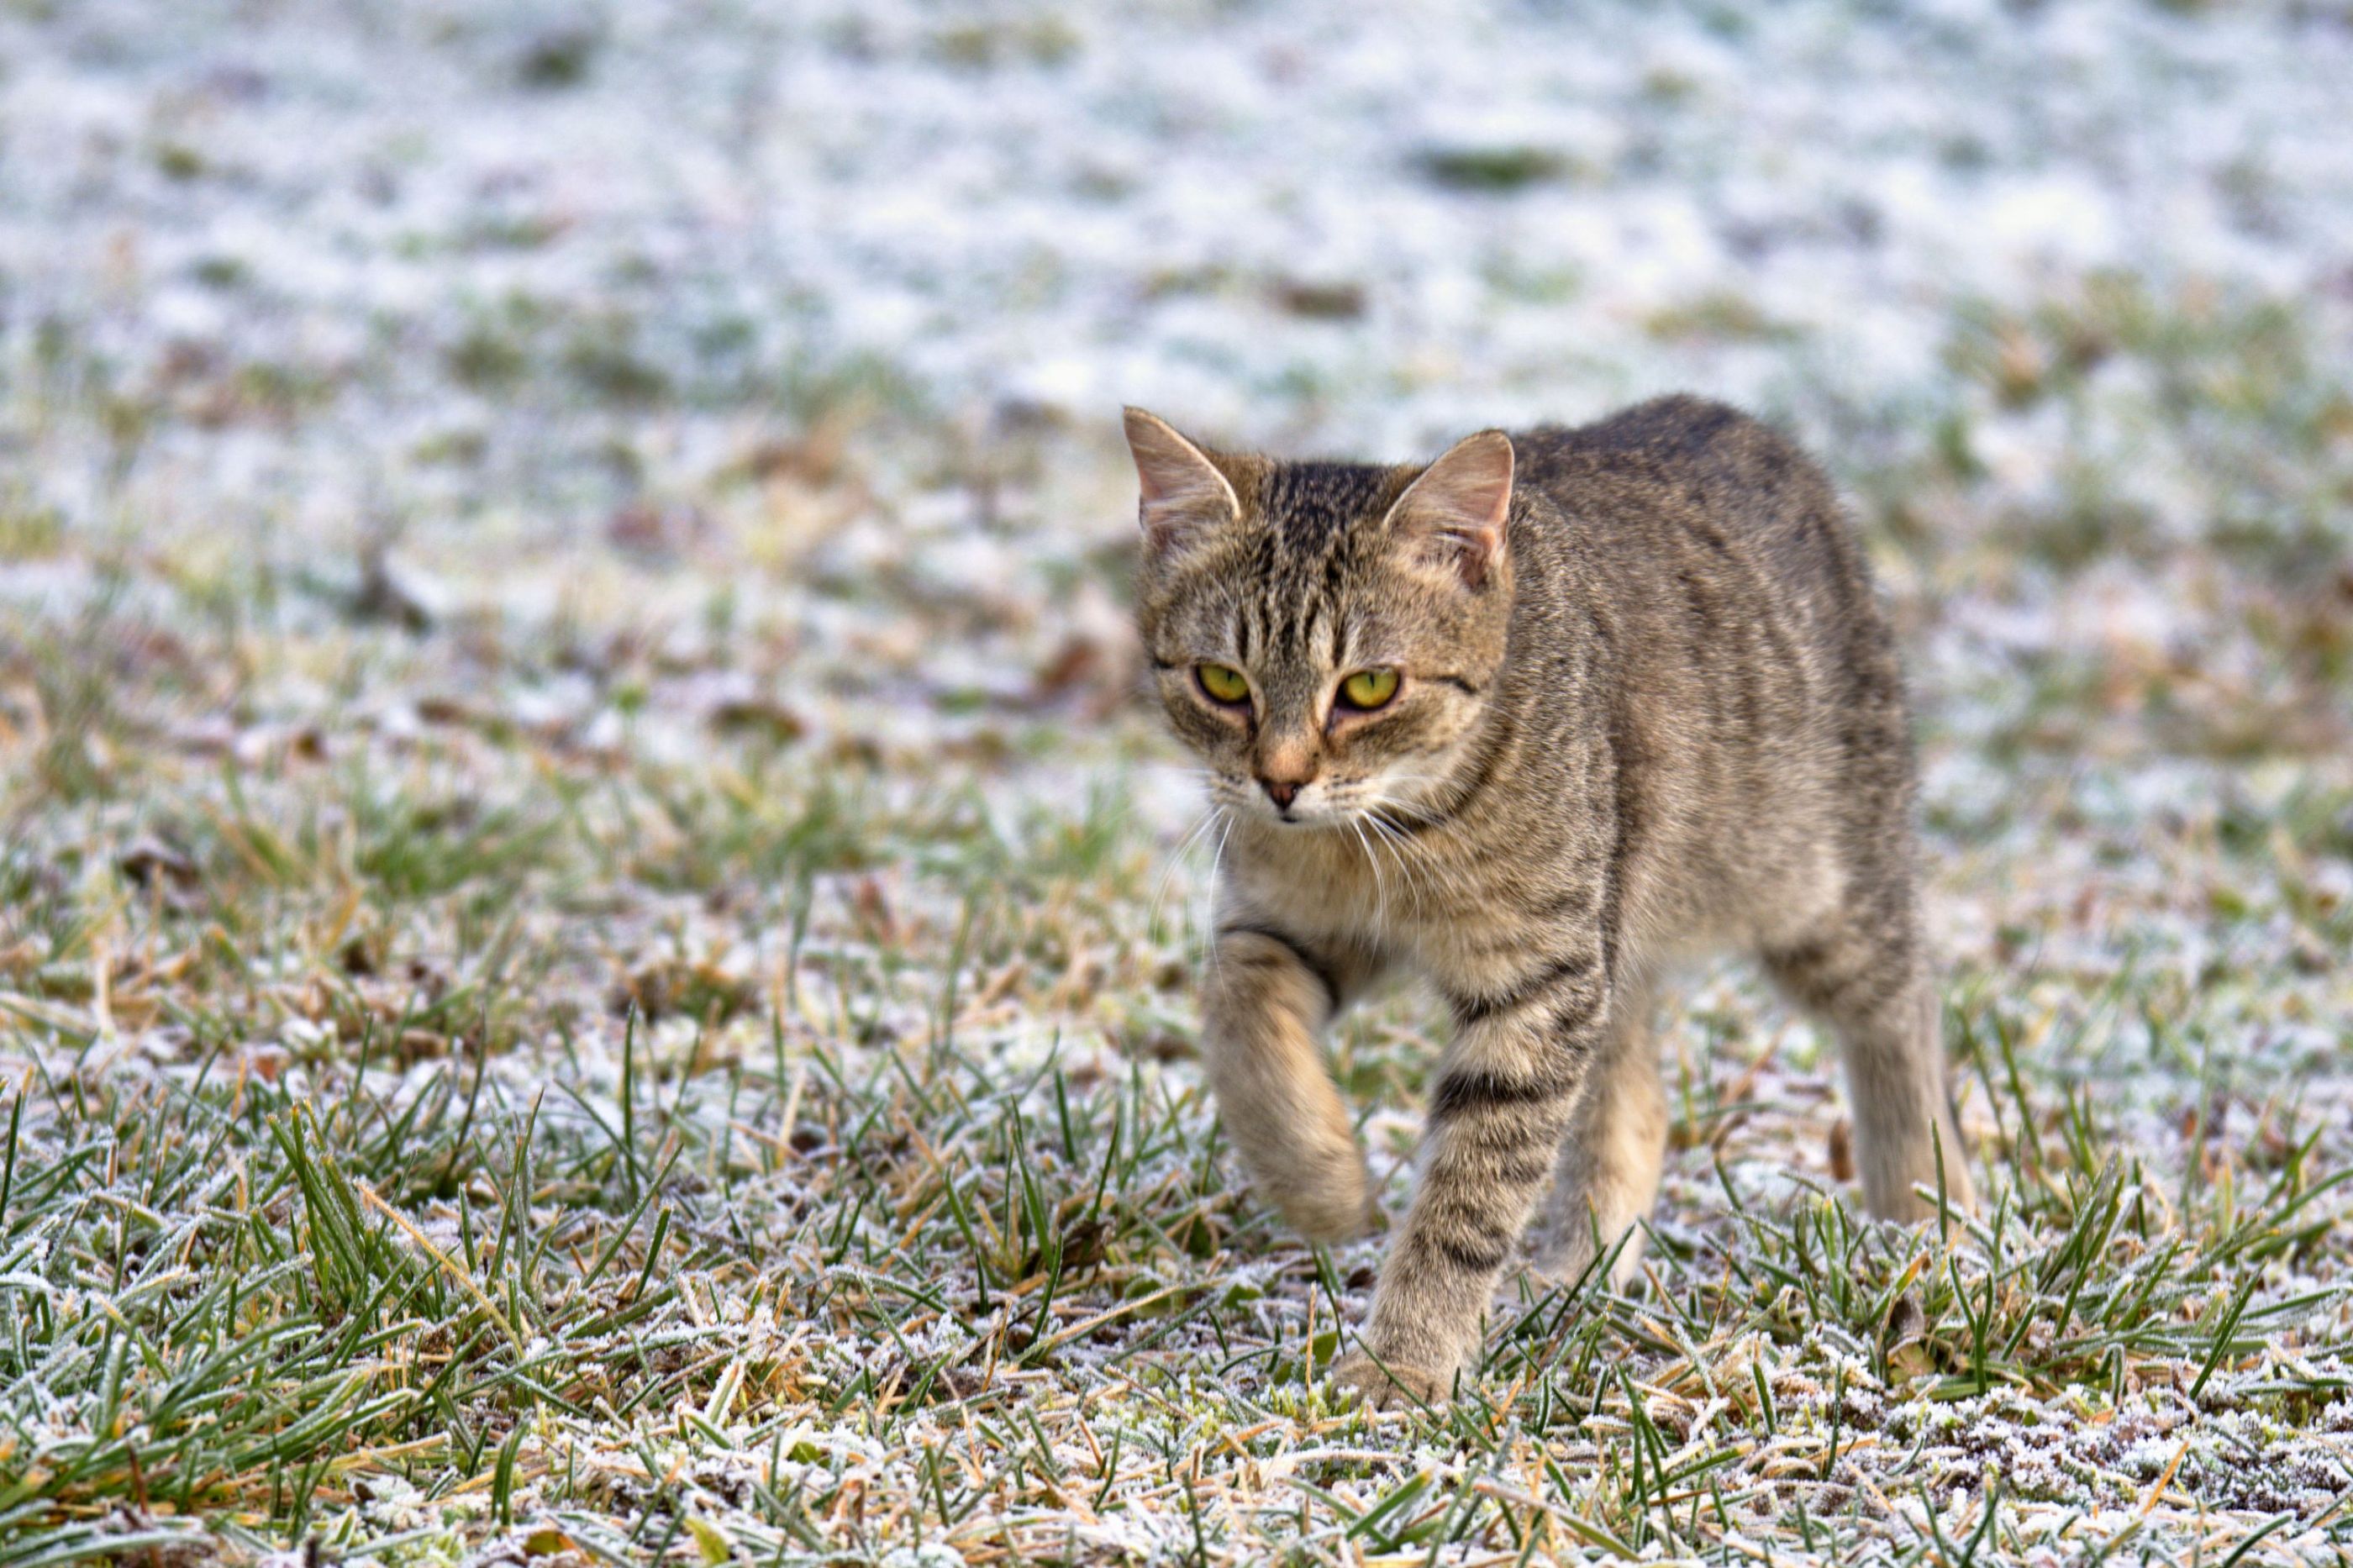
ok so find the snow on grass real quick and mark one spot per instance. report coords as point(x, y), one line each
point(595, 953)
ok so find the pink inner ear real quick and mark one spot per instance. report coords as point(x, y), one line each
point(1460, 502)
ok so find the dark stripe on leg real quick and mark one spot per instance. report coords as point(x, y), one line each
point(1292, 944)
point(1470, 1257)
point(1468, 1010)
point(1466, 1090)
point(1527, 1173)
point(1570, 1019)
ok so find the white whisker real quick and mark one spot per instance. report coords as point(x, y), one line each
point(1380, 888)
point(1168, 868)
point(1217, 872)
point(1413, 875)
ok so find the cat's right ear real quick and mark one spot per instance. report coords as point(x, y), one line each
point(1181, 494)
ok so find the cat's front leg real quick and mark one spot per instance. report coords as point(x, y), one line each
point(1503, 1096)
point(1269, 994)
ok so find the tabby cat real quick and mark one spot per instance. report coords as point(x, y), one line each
point(1534, 723)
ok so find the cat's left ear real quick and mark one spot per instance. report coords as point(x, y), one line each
point(1454, 511)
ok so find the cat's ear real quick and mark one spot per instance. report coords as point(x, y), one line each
point(1182, 494)
point(1453, 513)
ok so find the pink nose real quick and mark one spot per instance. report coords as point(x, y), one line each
point(1282, 794)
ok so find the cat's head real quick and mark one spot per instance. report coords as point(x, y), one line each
point(1325, 634)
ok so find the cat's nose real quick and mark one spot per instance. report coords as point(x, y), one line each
point(1285, 766)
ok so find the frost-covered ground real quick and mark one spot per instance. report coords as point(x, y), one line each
point(517, 517)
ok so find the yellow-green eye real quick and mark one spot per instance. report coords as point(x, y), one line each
point(1368, 688)
point(1223, 682)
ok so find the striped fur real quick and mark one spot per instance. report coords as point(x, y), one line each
point(1654, 712)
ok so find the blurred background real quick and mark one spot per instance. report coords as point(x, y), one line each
point(815, 319)
point(517, 515)
point(527, 294)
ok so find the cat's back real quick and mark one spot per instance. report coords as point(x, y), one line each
point(1691, 469)
point(1723, 515)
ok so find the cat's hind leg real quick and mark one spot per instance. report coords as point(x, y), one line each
point(1864, 971)
point(1267, 999)
point(1607, 1181)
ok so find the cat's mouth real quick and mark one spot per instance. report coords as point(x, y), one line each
point(1299, 813)
point(1334, 810)
point(1368, 805)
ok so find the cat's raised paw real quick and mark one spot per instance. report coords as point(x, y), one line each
point(1390, 1386)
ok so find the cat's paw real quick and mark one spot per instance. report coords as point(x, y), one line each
point(1389, 1385)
